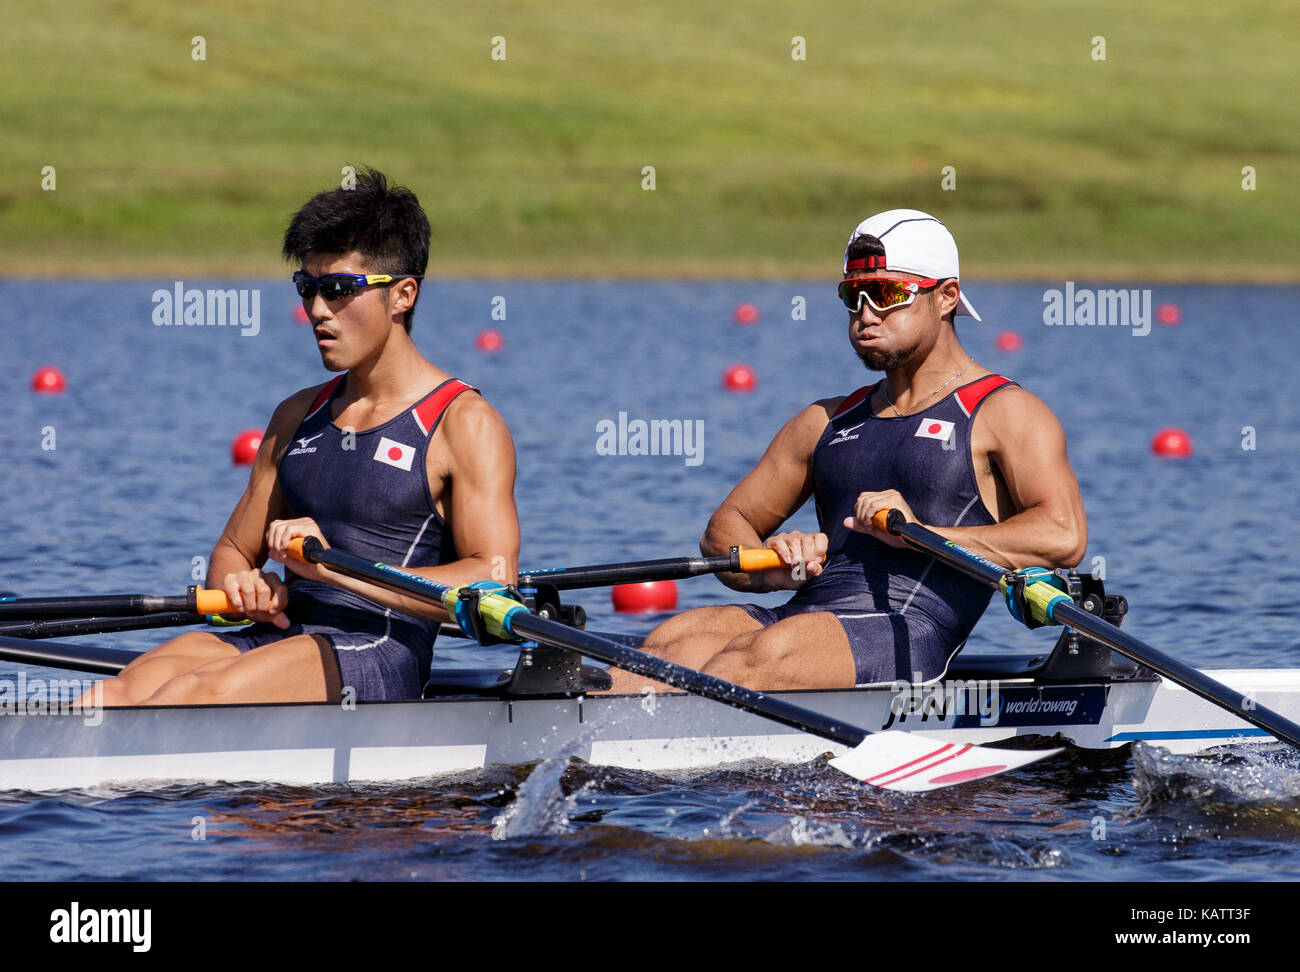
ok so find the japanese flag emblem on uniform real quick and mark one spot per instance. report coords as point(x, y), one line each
point(934, 429)
point(395, 454)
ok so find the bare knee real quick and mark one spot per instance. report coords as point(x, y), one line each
point(750, 654)
point(107, 691)
point(784, 656)
point(191, 688)
point(701, 630)
point(677, 627)
point(200, 645)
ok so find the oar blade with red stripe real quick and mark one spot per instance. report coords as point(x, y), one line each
point(906, 763)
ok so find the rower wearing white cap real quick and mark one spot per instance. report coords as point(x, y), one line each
point(955, 447)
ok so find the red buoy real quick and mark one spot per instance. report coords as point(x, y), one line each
point(1009, 341)
point(1169, 315)
point(244, 449)
point(745, 314)
point(1172, 442)
point(300, 314)
point(489, 340)
point(739, 378)
point(644, 597)
point(49, 381)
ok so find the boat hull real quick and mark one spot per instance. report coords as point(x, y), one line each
point(322, 743)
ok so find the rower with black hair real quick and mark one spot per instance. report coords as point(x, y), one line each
point(394, 459)
point(941, 438)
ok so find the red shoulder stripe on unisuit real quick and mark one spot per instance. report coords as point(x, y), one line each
point(854, 400)
point(324, 395)
point(974, 393)
point(429, 411)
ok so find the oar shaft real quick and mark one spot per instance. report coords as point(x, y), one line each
point(103, 606)
point(688, 679)
point(196, 601)
point(527, 625)
point(954, 555)
point(672, 568)
point(54, 654)
point(65, 628)
point(1192, 679)
point(601, 575)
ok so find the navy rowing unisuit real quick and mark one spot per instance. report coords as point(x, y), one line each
point(369, 493)
point(903, 612)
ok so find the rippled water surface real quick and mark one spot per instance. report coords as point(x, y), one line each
point(140, 483)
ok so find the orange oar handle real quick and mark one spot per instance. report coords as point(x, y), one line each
point(211, 602)
point(295, 549)
point(761, 559)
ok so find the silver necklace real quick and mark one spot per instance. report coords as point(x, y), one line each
point(969, 362)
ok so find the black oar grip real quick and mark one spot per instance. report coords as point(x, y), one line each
point(891, 521)
point(305, 549)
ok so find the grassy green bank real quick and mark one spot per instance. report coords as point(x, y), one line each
point(1064, 165)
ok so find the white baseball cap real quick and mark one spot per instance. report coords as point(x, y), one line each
point(915, 242)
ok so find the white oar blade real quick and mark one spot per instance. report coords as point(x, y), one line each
point(909, 764)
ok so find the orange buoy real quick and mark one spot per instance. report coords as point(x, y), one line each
point(489, 340)
point(300, 314)
point(739, 378)
point(1169, 315)
point(49, 381)
point(745, 314)
point(647, 596)
point(1009, 341)
point(1172, 442)
point(244, 449)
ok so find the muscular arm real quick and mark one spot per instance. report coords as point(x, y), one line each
point(1019, 448)
point(770, 494)
point(476, 466)
point(242, 545)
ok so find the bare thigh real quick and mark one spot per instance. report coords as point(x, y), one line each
point(799, 652)
point(691, 638)
point(146, 674)
point(301, 668)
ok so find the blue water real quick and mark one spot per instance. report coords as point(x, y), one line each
point(139, 484)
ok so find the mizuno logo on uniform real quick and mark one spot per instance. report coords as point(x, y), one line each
point(843, 434)
point(394, 454)
point(303, 443)
point(934, 429)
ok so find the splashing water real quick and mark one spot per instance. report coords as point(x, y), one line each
point(540, 806)
point(1249, 774)
point(802, 832)
point(1248, 790)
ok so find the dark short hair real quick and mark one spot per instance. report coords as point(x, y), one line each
point(864, 246)
point(384, 224)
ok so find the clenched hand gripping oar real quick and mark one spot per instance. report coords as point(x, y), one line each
point(893, 760)
point(1048, 604)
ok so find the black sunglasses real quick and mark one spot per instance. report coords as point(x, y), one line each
point(333, 286)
